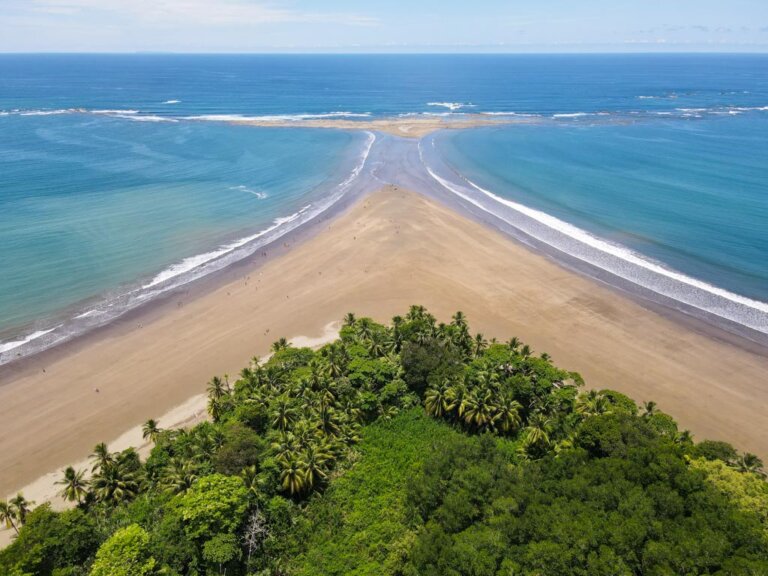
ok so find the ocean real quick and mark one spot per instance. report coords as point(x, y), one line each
point(120, 178)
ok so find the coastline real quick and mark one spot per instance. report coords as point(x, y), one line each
point(379, 254)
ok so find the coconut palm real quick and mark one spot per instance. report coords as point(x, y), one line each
point(21, 506)
point(649, 408)
point(8, 515)
point(479, 344)
point(378, 346)
point(513, 343)
point(217, 388)
point(250, 476)
point(115, 483)
point(364, 329)
point(507, 416)
point(75, 486)
point(537, 430)
point(349, 319)
point(750, 463)
point(592, 403)
point(281, 344)
point(459, 320)
point(456, 395)
point(437, 399)
point(479, 408)
point(283, 413)
point(101, 456)
point(312, 462)
point(526, 351)
point(292, 476)
point(284, 447)
point(178, 476)
point(150, 430)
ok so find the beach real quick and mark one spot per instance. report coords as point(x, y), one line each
point(390, 249)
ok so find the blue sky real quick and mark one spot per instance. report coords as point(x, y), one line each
point(383, 25)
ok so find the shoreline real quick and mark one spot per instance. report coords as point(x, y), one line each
point(391, 160)
point(189, 413)
point(82, 356)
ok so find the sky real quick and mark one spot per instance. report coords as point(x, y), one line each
point(383, 26)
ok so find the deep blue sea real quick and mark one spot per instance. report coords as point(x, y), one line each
point(120, 176)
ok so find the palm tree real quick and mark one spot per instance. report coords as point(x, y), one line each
point(750, 463)
point(526, 351)
point(459, 320)
point(478, 408)
point(74, 485)
point(537, 430)
point(281, 344)
point(364, 329)
point(545, 356)
point(283, 414)
point(592, 403)
point(313, 462)
point(377, 347)
point(101, 456)
point(507, 416)
point(416, 313)
point(292, 476)
point(437, 399)
point(479, 344)
point(21, 506)
point(284, 447)
point(456, 395)
point(114, 483)
point(514, 343)
point(151, 430)
point(250, 476)
point(178, 476)
point(336, 355)
point(649, 408)
point(349, 319)
point(218, 388)
point(8, 515)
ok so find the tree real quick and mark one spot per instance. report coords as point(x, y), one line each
point(115, 482)
point(150, 430)
point(349, 319)
point(280, 345)
point(75, 486)
point(649, 408)
point(100, 456)
point(178, 476)
point(221, 550)
point(749, 463)
point(214, 504)
point(8, 515)
point(21, 506)
point(125, 553)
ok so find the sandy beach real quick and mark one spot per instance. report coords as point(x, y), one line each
point(407, 127)
point(391, 249)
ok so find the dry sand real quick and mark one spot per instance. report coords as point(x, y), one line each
point(408, 127)
point(392, 249)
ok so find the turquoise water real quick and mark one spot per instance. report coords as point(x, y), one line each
point(120, 177)
point(94, 205)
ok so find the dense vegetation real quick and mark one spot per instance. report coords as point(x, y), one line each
point(413, 449)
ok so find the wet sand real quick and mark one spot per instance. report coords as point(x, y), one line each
point(407, 127)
